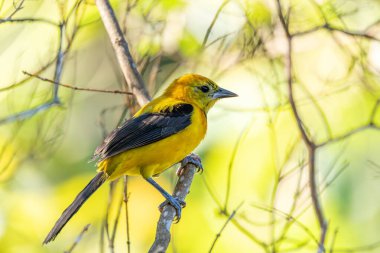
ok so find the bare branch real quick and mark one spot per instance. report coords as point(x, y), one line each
point(289, 217)
point(115, 224)
point(126, 199)
point(238, 142)
point(224, 226)
point(84, 230)
point(329, 27)
point(19, 7)
point(311, 147)
point(28, 113)
point(370, 125)
point(208, 32)
point(181, 190)
point(47, 65)
point(333, 240)
point(59, 63)
point(77, 88)
point(120, 45)
point(27, 20)
point(111, 234)
point(348, 134)
point(55, 99)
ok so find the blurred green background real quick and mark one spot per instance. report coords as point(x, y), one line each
point(254, 158)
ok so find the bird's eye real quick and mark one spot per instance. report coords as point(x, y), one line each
point(204, 88)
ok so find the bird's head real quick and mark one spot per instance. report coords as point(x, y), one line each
point(197, 89)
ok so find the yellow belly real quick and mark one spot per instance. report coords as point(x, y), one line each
point(154, 158)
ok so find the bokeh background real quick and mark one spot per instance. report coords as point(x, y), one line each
point(255, 181)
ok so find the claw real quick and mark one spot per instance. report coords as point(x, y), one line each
point(176, 203)
point(193, 159)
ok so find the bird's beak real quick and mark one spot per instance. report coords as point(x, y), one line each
point(223, 93)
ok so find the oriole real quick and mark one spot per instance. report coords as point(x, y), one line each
point(159, 135)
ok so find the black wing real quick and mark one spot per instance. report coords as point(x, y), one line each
point(145, 129)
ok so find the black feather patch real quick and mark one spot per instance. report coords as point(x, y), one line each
point(145, 129)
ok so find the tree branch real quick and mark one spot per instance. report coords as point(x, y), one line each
point(78, 239)
point(168, 213)
point(126, 199)
point(311, 147)
point(331, 28)
point(77, 88)
point(28, 113)
point(209, 29)
point(57, 77)
point(137, 87)
point(124, 57)
point(224, 226)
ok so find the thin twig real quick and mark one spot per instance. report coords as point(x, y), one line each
point(289, 217)
point(296, 198)
point(348, 134)
point(250, 235)
point(59, 64)
point(224, 226)
point(238, 142)
point(27, 20)
point(47, 65)
point(332, 244)
point(110, 236)
point(126, 200)
point(115, 224)
point(77, 240)
point(209, 29)
point(329, 27)
point(57, 77)
point(28, 113)
point(18, 7)
point(101, 241)
point(77, 88)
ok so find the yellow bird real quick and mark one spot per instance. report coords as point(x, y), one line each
point(159, 135)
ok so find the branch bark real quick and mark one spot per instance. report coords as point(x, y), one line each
point(310, 145)
point(124, 57)
point(168, 213)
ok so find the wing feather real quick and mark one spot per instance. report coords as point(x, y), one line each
point(145, 129)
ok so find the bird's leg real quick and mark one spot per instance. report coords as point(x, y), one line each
point(193, 159)
point(173, 201)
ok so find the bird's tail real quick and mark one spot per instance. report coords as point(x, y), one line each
point(92, 186)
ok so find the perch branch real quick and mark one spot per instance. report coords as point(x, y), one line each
point(182, 188)
point(137, 87)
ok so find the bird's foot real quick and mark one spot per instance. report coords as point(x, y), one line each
point(193, 159)
point(176, 203)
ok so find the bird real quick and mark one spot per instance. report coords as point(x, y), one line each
point(161, 134)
